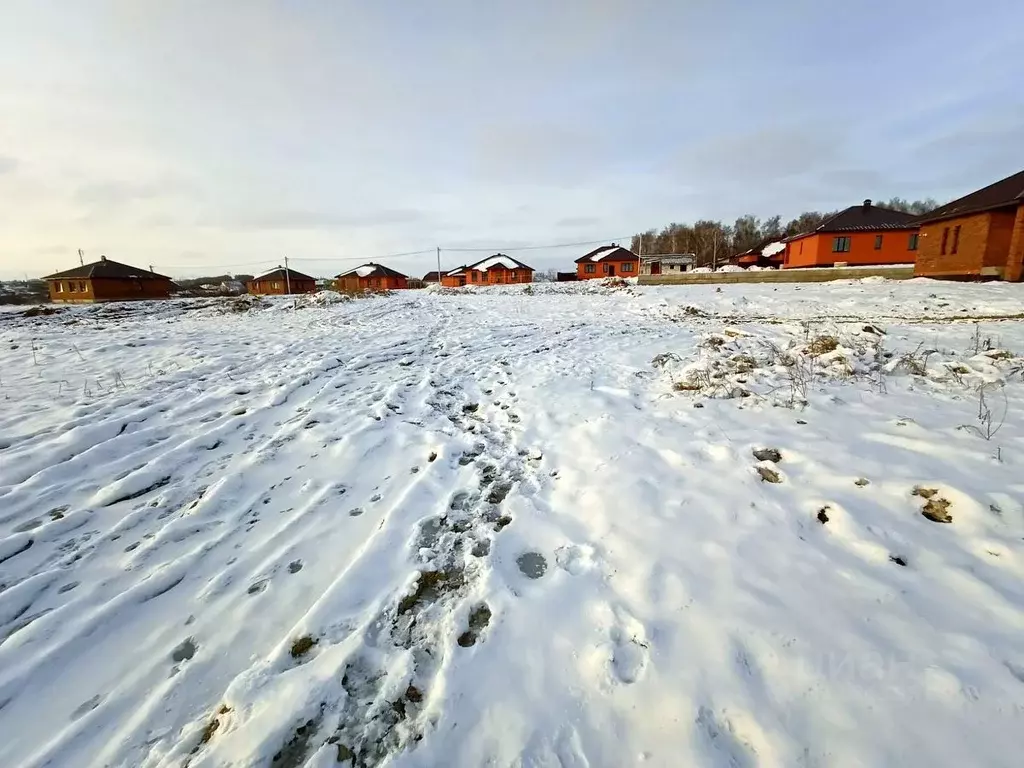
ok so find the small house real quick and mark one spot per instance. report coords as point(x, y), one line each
point(371, 277)
point(107, 280)
point(608, 261)
point(978, 235)
point(861, 235)
point(666, 264)
point(498, 269)
point(281, 281)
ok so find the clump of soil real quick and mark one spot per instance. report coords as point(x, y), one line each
point(36, 311)
point(822, 345)
point(301, 646)
point(432, 456)
point(769, 475)
point(898, 560)
point(479, 618)
point(823, 514)
point(768, 454)
point(429, 587)
point(935, 508)
point(860, 482)
point(210, 729)
point(685, 386)
point(744, 363)
point(498, 492)
point(470, 407)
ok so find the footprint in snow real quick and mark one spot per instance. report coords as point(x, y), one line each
point(630, 650)
point(87, 706)
point(576, 558)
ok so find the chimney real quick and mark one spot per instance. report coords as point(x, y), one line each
point(867, 204)
point(103, 258)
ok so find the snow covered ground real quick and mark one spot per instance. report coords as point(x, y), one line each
point(550, 525)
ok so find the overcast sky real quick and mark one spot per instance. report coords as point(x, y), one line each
point(205, 137)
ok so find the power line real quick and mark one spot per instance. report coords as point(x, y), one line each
point(297, 258)
point(541, 247)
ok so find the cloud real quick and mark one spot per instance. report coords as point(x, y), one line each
point(306, 219)
point(538, 152)
point(761, 156)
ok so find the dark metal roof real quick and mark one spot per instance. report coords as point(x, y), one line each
point(611, 252)
point(432, 277)
point(282, 274)
point(378, 270)
point(867, 217)
point(1003, 194)
point(105, 268)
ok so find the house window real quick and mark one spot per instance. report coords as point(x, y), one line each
point(956, 239)
point(945, 240)
point(912, 242)
point(605, 268)
point(277, 286)
point(81, 287)
point(590, 268)
point(840, 245)
point(627, 266)
point(60, 287)
point(878, 242)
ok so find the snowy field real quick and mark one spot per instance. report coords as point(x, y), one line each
point(552, 525)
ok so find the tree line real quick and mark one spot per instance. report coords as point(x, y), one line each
point(712, 242)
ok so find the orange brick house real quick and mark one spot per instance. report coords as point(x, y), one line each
point(498, 269)
point(860, 235)
point(979, 235)
point(607, 261)
point(371, 277)
point(107, 280)
point(282, 281)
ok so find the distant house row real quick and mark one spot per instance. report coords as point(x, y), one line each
point(978, 235)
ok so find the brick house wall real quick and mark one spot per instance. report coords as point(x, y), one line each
point(972, 247)
point(496, 275)
point(386, 283)
point(108, 289)
point(279, 287)
point(817, 250)
point(591, 270)
point(1015, 258)
point(71, 291)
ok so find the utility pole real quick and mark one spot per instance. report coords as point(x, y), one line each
point(81, 257)
point(439, 265)
point(287, 277)
point(714, 252)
